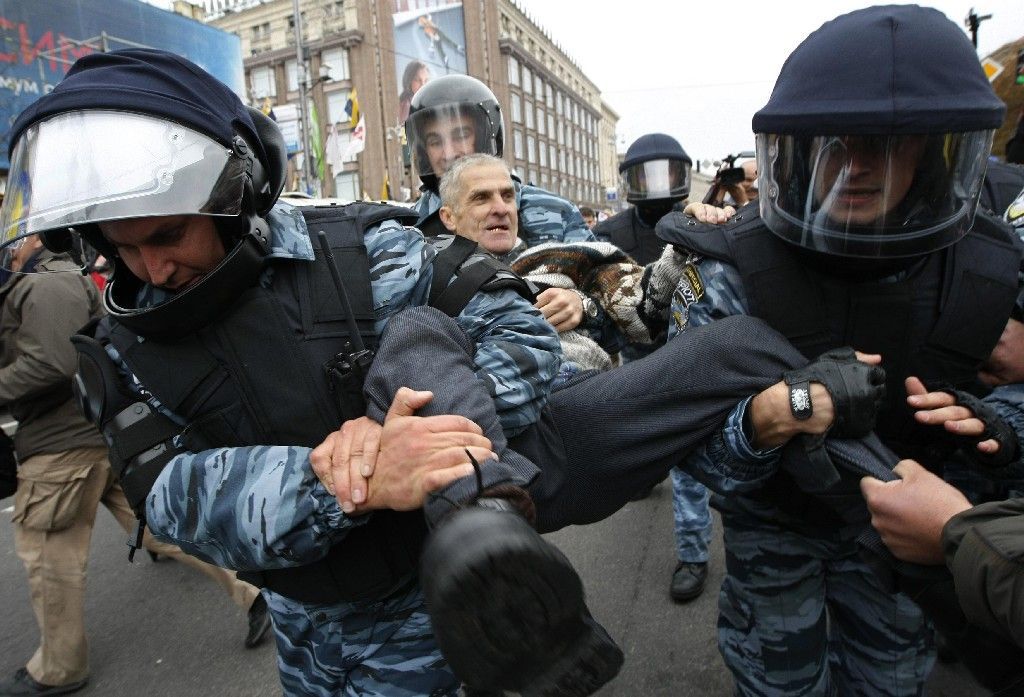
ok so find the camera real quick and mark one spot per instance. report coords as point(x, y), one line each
point(731, 176)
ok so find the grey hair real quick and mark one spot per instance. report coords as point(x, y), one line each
point(451, 182)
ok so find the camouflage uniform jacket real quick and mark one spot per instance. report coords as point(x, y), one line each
point(206, 502)
point(543, 216)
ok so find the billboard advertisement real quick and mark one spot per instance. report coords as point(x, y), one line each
point(40, 41)
point(430, 40)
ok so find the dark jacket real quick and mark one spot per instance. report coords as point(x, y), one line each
point(985, 551)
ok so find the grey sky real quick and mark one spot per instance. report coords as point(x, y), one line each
point(699, 70)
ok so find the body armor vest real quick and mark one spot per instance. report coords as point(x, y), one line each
point(259, 375)
point(627, 232)
point(939, 322)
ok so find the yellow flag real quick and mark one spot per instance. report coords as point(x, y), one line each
point(352, 108)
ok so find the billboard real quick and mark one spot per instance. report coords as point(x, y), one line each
point(430, 40)
point(40, 40)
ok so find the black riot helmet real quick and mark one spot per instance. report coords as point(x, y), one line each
point(450, 117)
point(138, 134)
point(874, 141)
point(656, 169)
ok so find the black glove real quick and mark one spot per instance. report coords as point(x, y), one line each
point(995, 428)
point(856, 388)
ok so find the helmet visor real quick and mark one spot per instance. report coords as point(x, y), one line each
point(86, 167)
point(884, 196)
point(657, 179)
point(441, 135)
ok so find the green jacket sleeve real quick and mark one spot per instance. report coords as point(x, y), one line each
point(984, 549)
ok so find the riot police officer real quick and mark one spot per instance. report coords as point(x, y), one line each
point(656, 176)
point(867, 236)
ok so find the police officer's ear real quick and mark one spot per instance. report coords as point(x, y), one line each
point(447, 217)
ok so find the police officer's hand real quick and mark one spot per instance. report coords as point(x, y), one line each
point(771, 415)
point(706, 213)
point(396, 465)
point(909, 513)
point(941, 409)
point(562, 307)
point(1006, 364)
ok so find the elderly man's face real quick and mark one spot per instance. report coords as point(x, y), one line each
point(861, 178)
point(446, 140)
point(170, 252)
point(485, 209)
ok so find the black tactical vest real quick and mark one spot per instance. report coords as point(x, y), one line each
point(939, 322)
point(258, 375)
point(630, 234)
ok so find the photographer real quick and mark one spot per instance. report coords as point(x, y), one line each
point(734, 185)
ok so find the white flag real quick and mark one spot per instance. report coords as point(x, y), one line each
point(358, 142)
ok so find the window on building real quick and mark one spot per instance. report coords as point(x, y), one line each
point(518, 140)
point(552, 152)
point(346, 186)
point(528, 110)
point(513, 71)
point(291, 75)
point(260, 32)
point(336, 60)
point(531, 149)
point(540, 120)
point(543, 155)
point(527, 80)
point(559, 105)
point(262, 83)
point(517, 109)
point(551, 124)
point(550, 93)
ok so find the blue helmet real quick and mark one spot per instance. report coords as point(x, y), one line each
point(874, 141)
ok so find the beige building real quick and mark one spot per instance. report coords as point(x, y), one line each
point(556, 124)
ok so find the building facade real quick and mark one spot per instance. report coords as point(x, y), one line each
point(555, 121)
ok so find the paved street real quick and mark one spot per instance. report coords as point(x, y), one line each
point(163, 631)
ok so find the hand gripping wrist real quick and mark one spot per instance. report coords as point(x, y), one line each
point(856, 388)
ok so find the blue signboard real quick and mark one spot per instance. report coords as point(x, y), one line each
point(39, 41)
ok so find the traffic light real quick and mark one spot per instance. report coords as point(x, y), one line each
point(1020, 66)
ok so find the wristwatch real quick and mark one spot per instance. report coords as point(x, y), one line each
point(589, 305)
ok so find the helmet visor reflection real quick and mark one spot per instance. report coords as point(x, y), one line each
point(871, 195)
point(440, 136)
point(657, 179)
point(89, 166)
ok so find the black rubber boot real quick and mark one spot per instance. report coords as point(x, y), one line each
point(508, 609)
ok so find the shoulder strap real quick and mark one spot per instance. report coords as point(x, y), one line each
point(452, 252)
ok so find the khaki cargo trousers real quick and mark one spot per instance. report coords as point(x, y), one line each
point(54, 512)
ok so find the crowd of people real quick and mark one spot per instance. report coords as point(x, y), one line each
point(360, 419)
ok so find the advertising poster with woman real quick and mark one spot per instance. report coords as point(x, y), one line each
point(430, 40)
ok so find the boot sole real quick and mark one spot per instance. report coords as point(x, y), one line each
point(508, 609)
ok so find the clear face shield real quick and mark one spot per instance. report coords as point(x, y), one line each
point(85, 167)
point(440, 136)
point(656, 180)
point(871, 196)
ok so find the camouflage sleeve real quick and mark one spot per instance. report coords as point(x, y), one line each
point(545, 217)
point(400, 269)
point(517, 355)
point(709, 289)
point(246, 508)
